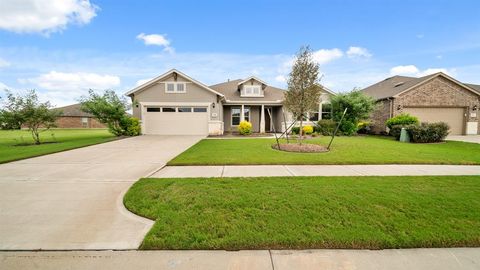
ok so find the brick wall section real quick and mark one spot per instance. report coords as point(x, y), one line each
point(439, 92)
point(76, 122)
point(380, 115)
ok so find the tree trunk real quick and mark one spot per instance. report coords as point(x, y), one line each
point(301, 131)
point(35, 135)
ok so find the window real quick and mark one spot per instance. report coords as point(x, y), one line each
point(313, 116)
point(326, 111)
point(184, 109)
point(203, 109)
point(251, 91)
point(236, 116)
point(150, 109)
point(168, 109)
point(175, 87)
point(84, 122)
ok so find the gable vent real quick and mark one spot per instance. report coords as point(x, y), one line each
point(398, 84)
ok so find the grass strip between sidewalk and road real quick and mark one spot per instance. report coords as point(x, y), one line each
point(309, 212)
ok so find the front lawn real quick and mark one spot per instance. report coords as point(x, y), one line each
point(309, 212)
point(12, 142)
point(345, 150)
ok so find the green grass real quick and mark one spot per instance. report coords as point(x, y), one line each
point(309, 212)
point(345, 150)
point(62, 139)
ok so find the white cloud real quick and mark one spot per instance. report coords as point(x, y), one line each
point(412, 70)
point(156, 40)
point(324, 56)
point(60, 81)
point(280, 78)
point(404, 70)
point(44, 16)
point(358, 52)
point(4, 63)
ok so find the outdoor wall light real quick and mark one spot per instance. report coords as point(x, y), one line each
point(213, 105)
point(474, 108)
point(399, 107)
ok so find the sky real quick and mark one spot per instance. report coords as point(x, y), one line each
point(62, 48)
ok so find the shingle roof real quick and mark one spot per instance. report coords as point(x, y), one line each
point(230, 91)
point(73, 110)
point(397, 84)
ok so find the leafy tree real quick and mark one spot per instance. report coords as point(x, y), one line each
point(359, 105)
point(109, 109)
point(304, 89)
point(26, 110)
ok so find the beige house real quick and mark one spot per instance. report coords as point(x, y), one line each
point(175, 104)
point(433, 98)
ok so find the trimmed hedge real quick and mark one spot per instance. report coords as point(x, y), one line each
point(325, 127)
point(402, 119)
point(423, 133)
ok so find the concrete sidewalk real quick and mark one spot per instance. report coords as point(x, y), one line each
point(314, 170)
point(412, 259)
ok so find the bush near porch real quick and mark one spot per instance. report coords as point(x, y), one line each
point(344, 150)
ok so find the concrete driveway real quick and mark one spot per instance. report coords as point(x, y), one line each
point(73, 199)
point(465, 138)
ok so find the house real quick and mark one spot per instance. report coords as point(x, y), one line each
point(176, 104)
point(433, 98)
point(74, 117)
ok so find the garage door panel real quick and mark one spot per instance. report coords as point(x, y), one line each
point(454, 117)
point(176, 123)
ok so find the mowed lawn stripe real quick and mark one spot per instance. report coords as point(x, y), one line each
point(345, 150)
point(53, 141)
point(309, 212)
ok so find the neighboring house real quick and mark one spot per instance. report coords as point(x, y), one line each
point(73, 117)
point(175, 104)
point(433, 98)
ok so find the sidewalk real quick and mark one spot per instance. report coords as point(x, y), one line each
point(314, 170)
point(412, 259)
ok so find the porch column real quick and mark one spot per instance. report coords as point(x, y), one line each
point(320, 111)
point(242, 113)
point(262, 119)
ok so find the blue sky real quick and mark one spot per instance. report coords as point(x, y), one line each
point(69, 46)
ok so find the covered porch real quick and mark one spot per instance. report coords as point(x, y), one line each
point(265, 118)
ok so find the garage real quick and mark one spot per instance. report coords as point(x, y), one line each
point(454, 117)
point(176, 120)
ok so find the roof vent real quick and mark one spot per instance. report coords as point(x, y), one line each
point(398, 84)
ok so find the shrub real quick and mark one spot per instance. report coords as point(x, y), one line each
point(295, 130)
point(245, 128)
point(325, 127)
point(348, 128)
point(428, 132)
point(402, 119)
point(131, 126)
point(396, 130)
point(364, 127)
point(307, 130)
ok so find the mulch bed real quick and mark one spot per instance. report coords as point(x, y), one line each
point(302, 148)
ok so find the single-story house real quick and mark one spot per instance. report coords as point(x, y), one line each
point(433, 98)
point(175, 104)
point(73, 117)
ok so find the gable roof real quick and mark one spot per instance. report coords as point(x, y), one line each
point(165, 75)
point(396, 85)
point(250, 78)
point(230, 91)
point(475, 87)
point(73, 110)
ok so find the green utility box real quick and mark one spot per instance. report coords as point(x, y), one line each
point(404, 136)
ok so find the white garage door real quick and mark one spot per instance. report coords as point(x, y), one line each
point(178, 120)
point(454, 117)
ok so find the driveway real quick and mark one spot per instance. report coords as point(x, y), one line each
point(465, 138)
point(73, 199)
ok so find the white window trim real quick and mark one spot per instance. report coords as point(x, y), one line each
point(244, 111)
point(175, 88)
point(251, 88)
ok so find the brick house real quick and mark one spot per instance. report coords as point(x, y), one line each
point(74, 117)
point(433, 98)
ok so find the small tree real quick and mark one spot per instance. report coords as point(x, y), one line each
point(304, 89)
point(359, 105)
point(108, 109)
point(28, 111)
